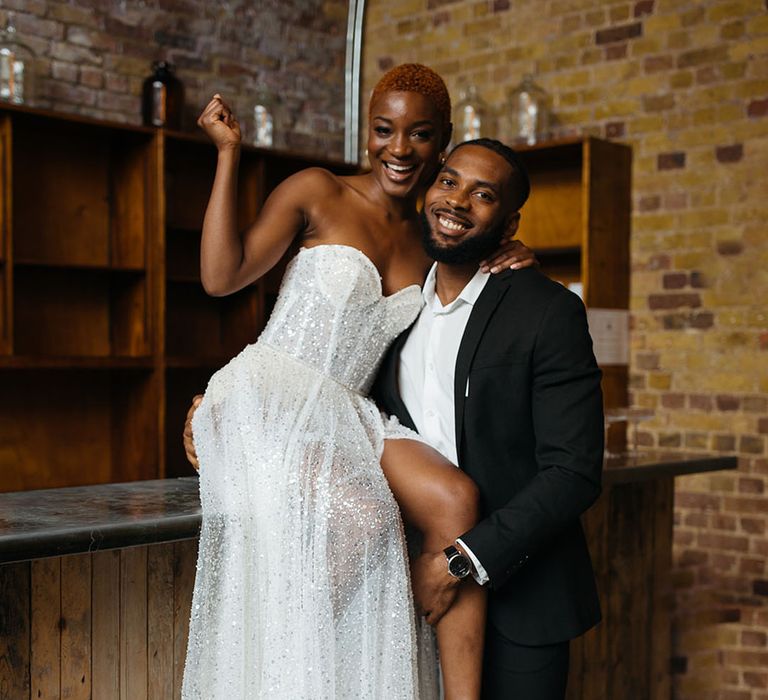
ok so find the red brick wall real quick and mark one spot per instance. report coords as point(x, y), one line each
point(94, 55)
point(686, 83)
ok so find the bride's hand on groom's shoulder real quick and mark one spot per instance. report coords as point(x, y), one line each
point(434, 589)
point(189, 441)
point(511, 254)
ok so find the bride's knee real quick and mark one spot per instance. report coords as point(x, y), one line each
point(457, 500)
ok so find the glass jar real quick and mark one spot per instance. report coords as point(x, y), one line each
point(162, 97)
point(17, 63)
point(263, 119)
point(470, 116)
point(529, 112)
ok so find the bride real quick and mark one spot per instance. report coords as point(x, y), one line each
point(302, 587)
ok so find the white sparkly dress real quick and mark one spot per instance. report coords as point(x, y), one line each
point(302, 588)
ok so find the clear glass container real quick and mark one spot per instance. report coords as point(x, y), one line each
point(529, 112)
point(263, 119)
point(470, 116)
point(17, 67)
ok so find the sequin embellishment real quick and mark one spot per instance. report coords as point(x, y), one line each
point(302, 588)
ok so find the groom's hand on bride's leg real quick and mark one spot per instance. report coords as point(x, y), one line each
point(189, 441)
point(434, 589)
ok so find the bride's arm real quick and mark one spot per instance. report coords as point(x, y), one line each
point(230, 259)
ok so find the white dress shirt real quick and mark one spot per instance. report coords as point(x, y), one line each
point(428, 366)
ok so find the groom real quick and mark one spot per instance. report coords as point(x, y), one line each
point(498, 373)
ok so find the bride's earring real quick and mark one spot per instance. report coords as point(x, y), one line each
point(442, 159)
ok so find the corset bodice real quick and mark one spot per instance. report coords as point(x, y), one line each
point(331, 314)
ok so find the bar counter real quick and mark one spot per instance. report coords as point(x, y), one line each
point(53, 522)
point(96, 584)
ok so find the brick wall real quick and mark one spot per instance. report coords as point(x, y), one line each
point(94, 55)
point(686, 83)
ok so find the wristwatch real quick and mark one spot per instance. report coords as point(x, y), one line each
point(459, 566)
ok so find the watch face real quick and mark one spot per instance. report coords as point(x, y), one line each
point(459, 566)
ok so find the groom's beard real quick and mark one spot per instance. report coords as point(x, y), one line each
point(472, 249)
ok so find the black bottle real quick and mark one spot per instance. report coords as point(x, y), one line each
point(162, 97)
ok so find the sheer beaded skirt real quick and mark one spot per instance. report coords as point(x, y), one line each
point(302, 588)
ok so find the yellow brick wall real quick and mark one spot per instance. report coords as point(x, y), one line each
point(686, 83)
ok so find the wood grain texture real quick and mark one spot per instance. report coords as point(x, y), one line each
point(129, 215)
point(109, 625)
point(607, 212)
point(76, 627)
point(160, 588)
point(629, 531)
point(184, 562)
point(67, 166)
point(14, 631)
point(61, 312)
point(134, 430)
point(45, 656)
point(45, 446)
point(662, 597)
point(105, 624)
point(133, 623)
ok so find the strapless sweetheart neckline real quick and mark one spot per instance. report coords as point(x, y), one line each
point(370, 265)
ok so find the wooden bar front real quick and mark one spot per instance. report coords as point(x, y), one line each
point(112, 624)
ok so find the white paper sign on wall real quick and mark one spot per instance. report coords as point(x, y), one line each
point(609, 329)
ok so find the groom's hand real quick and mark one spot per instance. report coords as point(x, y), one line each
point(434, 589)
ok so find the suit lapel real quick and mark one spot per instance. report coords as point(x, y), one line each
point(481, 313)
point(392, 386)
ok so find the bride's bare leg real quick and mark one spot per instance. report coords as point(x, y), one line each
point(442, 503)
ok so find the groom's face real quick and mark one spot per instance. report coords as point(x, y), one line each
point(467, 211)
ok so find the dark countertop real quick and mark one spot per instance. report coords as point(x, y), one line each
point(53, 522)
point(648, 464)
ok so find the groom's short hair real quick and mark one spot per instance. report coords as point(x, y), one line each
point(521, 184)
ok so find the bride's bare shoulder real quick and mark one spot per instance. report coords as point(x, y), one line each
point(315, 181)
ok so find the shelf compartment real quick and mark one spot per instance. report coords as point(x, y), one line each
point(182, 255)
point(553, 216)
point(190, 168)
point(199, 326)
point(81, 195)
point(76, 427)
point(189, 171)
point(77, 313)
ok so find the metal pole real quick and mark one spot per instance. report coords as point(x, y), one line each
point(355, 15)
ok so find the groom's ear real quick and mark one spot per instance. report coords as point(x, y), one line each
point(513, 221)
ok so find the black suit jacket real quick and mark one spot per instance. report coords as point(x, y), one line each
point(530, 434)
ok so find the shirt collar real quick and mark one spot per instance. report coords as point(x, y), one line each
point(468, 295)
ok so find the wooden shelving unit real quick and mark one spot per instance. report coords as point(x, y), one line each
point(578, 221)
point(105, 331)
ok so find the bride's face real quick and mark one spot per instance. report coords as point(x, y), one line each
point(404, 142)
